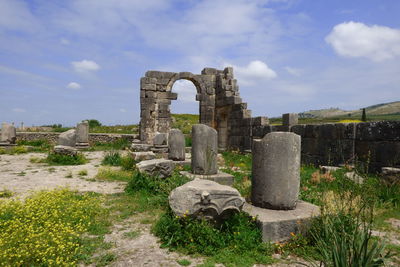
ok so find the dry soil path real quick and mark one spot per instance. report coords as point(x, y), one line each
point(20, 176)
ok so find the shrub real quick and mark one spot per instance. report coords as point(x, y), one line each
point(39, 145)
point(58, 159)
point(112, 158)
point(154, 184)
point(237, 236)
point(19, 150)
point(128, 163)
point(46, 229)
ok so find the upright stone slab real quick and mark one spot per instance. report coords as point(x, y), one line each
point(176, 145)
point(82, 133)
point(67, 138)
point(160, 139)
point(276, 171)
point(204, 150)
point(8, 133)
point(290, 119)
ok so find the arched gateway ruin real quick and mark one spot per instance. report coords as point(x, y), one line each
point(220, 105)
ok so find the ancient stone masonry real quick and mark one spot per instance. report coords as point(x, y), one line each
point(220, 105)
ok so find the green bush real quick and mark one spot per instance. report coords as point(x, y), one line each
point(344, 240)
point(237, 240)
point(38, 145)
point(128, 163)
point(58, 159)
point(155, 186)
point(112, 158)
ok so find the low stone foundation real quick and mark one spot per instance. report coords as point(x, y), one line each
point(52, 137)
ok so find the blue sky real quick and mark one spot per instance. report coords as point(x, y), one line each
point(68, 60)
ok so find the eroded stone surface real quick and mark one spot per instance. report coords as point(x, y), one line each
point(143, 155)
point(140, 147)
point(276, 171)
point(176, 145)
point(82, 133)
point(65, 150)
point(160, 139)
point(67, 138)
point(205, 199)
point(8, 133)
point(156, 167)
point(277, 225)
point(204, 149)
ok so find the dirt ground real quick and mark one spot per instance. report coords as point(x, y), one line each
point(131, 239)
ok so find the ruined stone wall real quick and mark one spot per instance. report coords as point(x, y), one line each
point(52, 137)
point(375, 143)
point(220, 105)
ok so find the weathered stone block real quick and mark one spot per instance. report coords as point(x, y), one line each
point(276, 171)
point(176, 145)
point(82, 132)
point(156, 167)
point(290, 119)
point(204, 149)
point(8, 133)
point(279, 225)
point(143, 155)
point(67, 138)
point(205, 199)
point(65, 150)
point(378, 131)
point(148, 86)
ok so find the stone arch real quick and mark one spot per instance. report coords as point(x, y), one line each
point(219, 103)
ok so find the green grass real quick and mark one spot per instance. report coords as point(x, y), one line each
point(184, 122)
point(109, 174)
point(120, 129)
point(119, 144)
point(58, 159)
point(184, 262)
point(40, 145)
point(112, 158)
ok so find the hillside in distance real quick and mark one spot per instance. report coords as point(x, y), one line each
point(391, 108)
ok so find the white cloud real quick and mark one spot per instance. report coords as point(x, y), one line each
point(122, 110)
point(293, 71)
point(18, 110)
point(254, 72)
point(74, 85)
point(355, 39)
point(85, 66)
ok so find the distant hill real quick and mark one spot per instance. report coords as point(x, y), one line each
point(379, 109)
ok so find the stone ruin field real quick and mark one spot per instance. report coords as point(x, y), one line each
point(235, 190)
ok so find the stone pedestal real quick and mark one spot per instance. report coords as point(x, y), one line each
point(276, 171)
point(277, 225)
point(82, 135)
point(204, 150)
